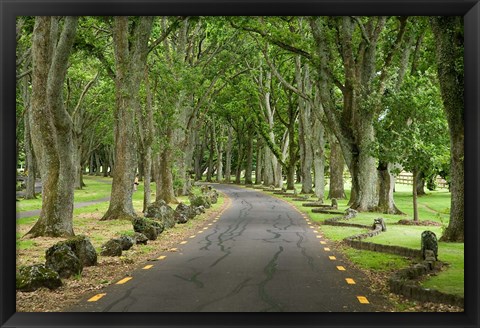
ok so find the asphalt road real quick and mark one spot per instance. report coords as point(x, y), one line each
point(259, 255)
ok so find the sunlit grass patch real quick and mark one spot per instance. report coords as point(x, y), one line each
point(376, 261)
point(406, 236)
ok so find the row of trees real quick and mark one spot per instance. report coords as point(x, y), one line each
point(283, 97)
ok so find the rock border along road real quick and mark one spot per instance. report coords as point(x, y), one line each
point(259, 255)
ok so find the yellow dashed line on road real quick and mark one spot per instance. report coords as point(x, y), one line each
point(350, 281)
point(341, 268)
point(192, 236)
point(210, 224)
point(96, 297)
point(200, 231)
point(332, 258)
point(183, 242)
point(326, 249)
point(161, 257)
point(124, 280)
point(363, 300)
point(323, 242)
point(173, 249)
point(147, 267)
point(314, 231)
point(318, 236)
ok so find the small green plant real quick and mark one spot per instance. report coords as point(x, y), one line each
point(78, 276)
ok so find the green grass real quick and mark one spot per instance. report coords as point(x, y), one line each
point(96, 188)
point(376, 261)
point(406, 236)
point(24, 244)
point(452, 279)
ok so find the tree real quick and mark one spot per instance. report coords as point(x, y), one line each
point(131, 48)
point(51, 124)
point(448, 32)
point(412, 131)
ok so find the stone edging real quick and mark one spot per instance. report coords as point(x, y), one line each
point(402, 282)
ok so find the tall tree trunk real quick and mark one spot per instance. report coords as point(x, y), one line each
point(91, 165)
point(130, 60)
point(337, 165)
point(386, 184)
point(304, 127)
point(414, 189)
point(29, 157)
point(199, 148)
point(249, 163)
point(228, 156)
point(219, 151)
point(292, 158)
point(306, 155)
point(146, 134)
point(211, 153)
point(318, 146)
point(268, 179)
point(240, 158)
point(98, 164)
point(259, 159)
point(147, 178)
point(448, 32)
point(165, 188)
point(51, 125)
point(421, 184)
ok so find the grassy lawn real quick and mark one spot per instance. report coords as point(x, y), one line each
point(96, 188)
point(433, 207)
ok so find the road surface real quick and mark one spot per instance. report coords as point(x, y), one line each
point(259, 255)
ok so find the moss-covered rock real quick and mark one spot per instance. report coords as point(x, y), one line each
point(140, 238)
point(162, 212)
point(187, 211)
point(150, 228)
point(200, 200)
point(111, 248)
point(83, 249)
point(125, 241)
point(32, 277)
point(63, 260)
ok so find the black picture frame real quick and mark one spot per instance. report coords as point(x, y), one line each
point(470, 9)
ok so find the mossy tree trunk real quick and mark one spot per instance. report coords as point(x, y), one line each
point(131, 50)
point(228, 156)
point(51, 124)
point(448, 32)
point(337, 165)
point(386, 184)
point(249, 161)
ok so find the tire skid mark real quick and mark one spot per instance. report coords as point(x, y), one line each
point(270, 240)
point(193, 279)
point(228, 252)
point(207, 239)
point(237, 289)
point(194, 258)
point(304, 253)
point(269, 271)
point(132, 300)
